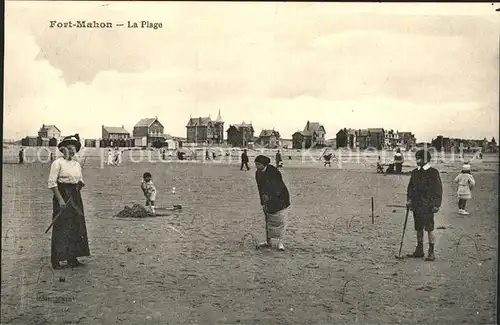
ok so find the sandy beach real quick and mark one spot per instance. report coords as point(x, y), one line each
point(199, 265)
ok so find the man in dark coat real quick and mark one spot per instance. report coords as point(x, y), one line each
point(424, 197)
point(279, 160)
point(244, 160)
point(274, 199)
point(21, 156)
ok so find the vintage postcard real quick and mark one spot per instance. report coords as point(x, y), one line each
point(250, 163)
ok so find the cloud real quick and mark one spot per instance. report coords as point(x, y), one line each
point(341, 67)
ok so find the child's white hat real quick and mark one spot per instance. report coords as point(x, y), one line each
point(466, 167)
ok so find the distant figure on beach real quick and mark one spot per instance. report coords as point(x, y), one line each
point(279, 160)
point(51, 156)
point(118, 157)
point(207, 155)
point(181, 155)
point(244, 160)
point(398, 161)
point(21, 156)
point(465, 185)
point(109, 161)
point(69, 232)
point(380, 168)
point(328, 159)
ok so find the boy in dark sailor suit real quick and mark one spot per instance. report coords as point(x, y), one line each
point(424, 198)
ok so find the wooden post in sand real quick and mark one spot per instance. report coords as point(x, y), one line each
point(373, 216)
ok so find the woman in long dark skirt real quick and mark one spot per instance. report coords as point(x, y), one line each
point(69, 232)
point(274, 198)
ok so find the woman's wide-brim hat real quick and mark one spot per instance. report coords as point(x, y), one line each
point(73, 140)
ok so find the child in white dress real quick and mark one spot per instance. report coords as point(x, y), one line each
point(465, 185)
point(118, 158)
point(109, 161)
point(149, 190)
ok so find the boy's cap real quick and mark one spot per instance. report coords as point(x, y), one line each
point(146, 174)
point(421, 154)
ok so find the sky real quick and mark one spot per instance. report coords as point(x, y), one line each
point(425, 68)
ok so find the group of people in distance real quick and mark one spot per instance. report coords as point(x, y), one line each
point(244, 160)
point(396, 167)
point(69, 233)
point(114, 159)
point(22, 156)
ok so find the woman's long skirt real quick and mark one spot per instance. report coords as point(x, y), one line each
point(69, 232)
point(276, 224)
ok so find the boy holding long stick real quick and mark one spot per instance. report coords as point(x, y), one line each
point(424, 197)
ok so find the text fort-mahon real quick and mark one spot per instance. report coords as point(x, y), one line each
point(102, 24)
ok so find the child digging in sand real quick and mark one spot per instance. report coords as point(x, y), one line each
point(465, 185)
point(149, 190)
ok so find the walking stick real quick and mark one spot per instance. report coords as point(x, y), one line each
point(66, 205)
point(402, 237)
point(323, 153)
point(58, 214)
point(266, 218)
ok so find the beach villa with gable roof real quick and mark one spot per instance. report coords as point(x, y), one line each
point(48, 131)
point(313, 135)
point(149, 128)
point(113, 132)
point(377, 137)
point(346, 138)
point(205, 130)
point(362, 138)
point(269, 138)
point(239, 135)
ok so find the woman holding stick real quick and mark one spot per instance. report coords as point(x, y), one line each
point(69, 233)
point(274, 198)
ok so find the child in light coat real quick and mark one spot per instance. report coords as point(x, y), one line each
point(465, 185)
point(109, 161)
point(149, 190)
point(118, 157)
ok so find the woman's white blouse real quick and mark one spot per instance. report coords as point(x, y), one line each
point(65, 171)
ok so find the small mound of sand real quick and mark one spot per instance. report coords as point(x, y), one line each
point(136, 211)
